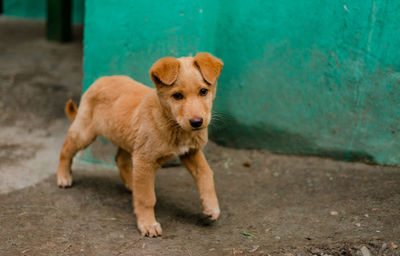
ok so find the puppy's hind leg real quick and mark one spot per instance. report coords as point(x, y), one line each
point(76, 140)
point(124, 163)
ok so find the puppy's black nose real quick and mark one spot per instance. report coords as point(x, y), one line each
point(196, 122)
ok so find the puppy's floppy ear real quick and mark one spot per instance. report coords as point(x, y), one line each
point(165, 71)
point(210, 67)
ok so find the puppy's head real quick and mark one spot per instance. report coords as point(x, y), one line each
point(186, 88)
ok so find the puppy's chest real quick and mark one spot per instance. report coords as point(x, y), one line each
point(173, 151)
point(183, 150)
point(179, 146)
point(185, 146)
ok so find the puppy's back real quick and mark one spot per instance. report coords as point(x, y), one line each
point(108, 89)
point(108, 105)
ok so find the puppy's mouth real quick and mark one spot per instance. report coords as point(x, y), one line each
point(199, 128)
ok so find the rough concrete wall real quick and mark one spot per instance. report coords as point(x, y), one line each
point(129, 36)
point(37, 9)
point(302, 77)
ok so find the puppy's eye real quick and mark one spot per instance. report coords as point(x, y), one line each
point(203, 92)
point(177, 96)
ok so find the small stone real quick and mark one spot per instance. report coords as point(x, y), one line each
point(358, 224)
point(334, 213)
point(276, 174)
point(228, 163)
point(366, 215)
point(315, 251)
point(383, 248)
point(237, 251)
point(277, 237)
point(365, 251)
point(255, 248)
point(393, 245)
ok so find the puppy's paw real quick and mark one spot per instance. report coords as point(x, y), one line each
point(212, 214)
point(150, 230)
point(64, 181)
point(208, 217)
point(128, 186)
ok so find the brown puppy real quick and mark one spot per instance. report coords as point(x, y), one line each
point(150, 126)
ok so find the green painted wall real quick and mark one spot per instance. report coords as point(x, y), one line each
point(37, 9)
point(303, 77)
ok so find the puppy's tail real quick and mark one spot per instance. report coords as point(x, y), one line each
point(71, 110)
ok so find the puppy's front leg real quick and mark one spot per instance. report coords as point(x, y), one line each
point(197, 165)
point(144, 197)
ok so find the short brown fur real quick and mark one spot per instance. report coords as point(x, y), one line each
point(71, 110)
point(150, 126)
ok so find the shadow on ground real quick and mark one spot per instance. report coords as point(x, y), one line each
point(278, 205)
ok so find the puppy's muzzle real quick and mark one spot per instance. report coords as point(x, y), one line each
point(196, 122)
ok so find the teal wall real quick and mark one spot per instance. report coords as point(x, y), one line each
point(37, 9)
point(302, 77)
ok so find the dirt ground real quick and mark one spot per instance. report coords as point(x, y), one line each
point(270, 204)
